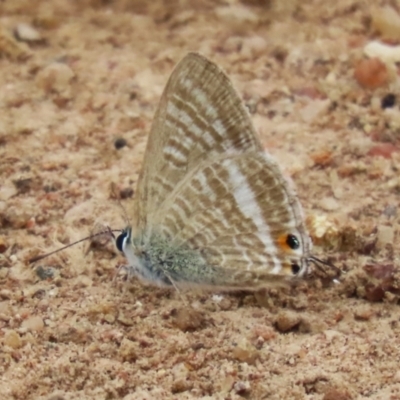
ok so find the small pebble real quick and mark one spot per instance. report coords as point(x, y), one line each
point(363, 313)
point(386, 21)
point(44, 273)
point(329, 204)
point(386, 53)
point(245, 352)
point(33, 323)
point(388, 101)
point(75, 334)
point(55, 77)
point(324, 231)
point(371, 73)
point(337, 394)
point(3, 271)
point(126, 193)
point(24, 185)
point(287, 321)
point(380, 271)
point(237, 14)
point(264, 332)
point(12, 339)
point(181, 385)
point(120, 143)
point(12, 48)
point(125, 320)
point(5, 294)
point(242, 387)
point(389, 211)
point(394, 184)
point(374, 293)
point(322, 159)
point(26, 33)
point(188, 320)
point(384, 150)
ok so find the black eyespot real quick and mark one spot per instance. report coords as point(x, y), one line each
point(295, 268)
point(292, 242)
point(121, 240)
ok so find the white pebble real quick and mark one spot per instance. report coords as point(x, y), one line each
point(386, 53)
point(26, 33)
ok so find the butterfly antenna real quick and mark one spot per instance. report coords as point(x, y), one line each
point(42, 256)
point(317, 262)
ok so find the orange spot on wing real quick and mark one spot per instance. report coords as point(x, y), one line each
point(281, 242)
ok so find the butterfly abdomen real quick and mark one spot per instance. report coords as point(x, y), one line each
point(165, 263)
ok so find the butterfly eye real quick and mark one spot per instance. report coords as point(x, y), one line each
point(121, 240)
point(295, 268)
point(292, 242)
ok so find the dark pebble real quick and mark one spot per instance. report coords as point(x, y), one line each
point(119, 143)
point(44, 273)
point(388, 101)
point(126, 193)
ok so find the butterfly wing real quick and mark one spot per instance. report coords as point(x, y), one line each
point(236, 212)
point(212, 207)
point(199, 116)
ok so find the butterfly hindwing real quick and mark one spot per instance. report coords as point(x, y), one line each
point(237, 211)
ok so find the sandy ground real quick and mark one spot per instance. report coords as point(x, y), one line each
point(92, 72)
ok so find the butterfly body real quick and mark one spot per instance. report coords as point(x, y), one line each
point(161, 262)
point(212, 208)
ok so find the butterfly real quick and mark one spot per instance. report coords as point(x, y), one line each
point(212, 208)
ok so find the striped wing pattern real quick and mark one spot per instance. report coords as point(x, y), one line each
point(199, 117)
point(212, 208)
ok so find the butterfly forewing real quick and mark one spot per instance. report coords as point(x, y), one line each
point(212, 208)
point(199, 116)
